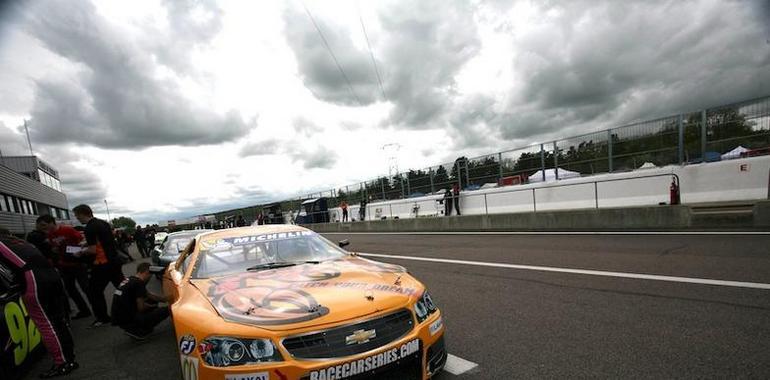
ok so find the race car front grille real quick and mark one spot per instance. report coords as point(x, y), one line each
point(335, 342)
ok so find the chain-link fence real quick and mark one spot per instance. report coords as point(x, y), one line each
point(682, 139)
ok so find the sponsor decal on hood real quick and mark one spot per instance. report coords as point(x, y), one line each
point(289, 295)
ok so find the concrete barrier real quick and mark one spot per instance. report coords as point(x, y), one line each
point(609, 219)
point(761, 214)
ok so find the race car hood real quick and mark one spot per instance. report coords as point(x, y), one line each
point(310, 294)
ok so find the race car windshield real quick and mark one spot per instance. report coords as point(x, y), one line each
point(221, 257)
point(174, 245)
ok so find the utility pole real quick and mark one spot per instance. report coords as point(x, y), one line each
point(392, 158)
point(29, 142)
point(109, 218)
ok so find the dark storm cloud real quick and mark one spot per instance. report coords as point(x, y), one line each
point(260, 148)
point(425, 44)
point(610, 62)
point(469, 123)
point(763, 13)
point(79, 183)
point(191, 23)
point(581, 65)
point(82, 187)
point(317, 68)
point(12, 143)
point(318, 158)
point(116, 101)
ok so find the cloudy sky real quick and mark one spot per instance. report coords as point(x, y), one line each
point(173, 108)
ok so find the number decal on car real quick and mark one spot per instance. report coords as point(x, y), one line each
point(22, 331)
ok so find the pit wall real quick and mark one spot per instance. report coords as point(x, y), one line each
point(745, 179)
point(647, 218)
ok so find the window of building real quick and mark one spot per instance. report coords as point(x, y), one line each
point(4, 203)
point(49, 180)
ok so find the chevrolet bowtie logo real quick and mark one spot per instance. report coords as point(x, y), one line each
point(360, 336)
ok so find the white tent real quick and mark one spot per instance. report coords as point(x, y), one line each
point(648, 165)
point(550, 175)
point(735, 153)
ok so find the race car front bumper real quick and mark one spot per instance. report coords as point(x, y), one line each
point(420, 354)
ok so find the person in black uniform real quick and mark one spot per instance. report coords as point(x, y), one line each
point(135, 309)
point(447, 202)
point(105, 267)
point(39, 238)
point(140, 240)
point(44, 299)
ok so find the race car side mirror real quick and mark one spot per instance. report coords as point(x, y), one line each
point(343, 243)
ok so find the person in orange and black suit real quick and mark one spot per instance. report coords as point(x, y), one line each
point(106, 265)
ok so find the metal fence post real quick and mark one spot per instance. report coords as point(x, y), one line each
point(681, 140)
point(408, 187)
point(467, 175)
point(486, 207)
point(556, 160)
point(499, 167)
point(609, 149)
point(703, 134)
point(542, 161)
point(382, 183)
point(459, 172)
point(596, 193)
point(430, 176)
point(391, 211)
point(534, 201)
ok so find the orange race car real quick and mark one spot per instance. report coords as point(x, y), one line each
point(282, 302)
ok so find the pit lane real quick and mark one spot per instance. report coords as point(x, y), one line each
point(517, 323)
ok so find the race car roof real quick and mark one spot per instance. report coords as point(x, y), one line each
point(251, 230)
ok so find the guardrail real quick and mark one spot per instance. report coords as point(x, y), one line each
point(534, 190)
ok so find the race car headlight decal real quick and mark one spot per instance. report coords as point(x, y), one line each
point(261, 348)
point(226, 351)
point(424, 307)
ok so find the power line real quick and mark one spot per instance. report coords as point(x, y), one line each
point(329, 49)
point(371, 53)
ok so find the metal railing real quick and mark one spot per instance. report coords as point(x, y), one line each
point(679, 139)
point(464, 197)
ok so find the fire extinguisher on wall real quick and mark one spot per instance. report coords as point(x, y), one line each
point(673, 192)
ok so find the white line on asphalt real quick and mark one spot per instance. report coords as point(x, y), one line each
point(639, 276)
point(557, 233)
point(458, 366)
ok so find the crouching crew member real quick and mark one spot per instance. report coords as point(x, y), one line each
point(45, 301)
point(135, 309)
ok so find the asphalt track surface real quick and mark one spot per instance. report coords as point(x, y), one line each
point(525, 323)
